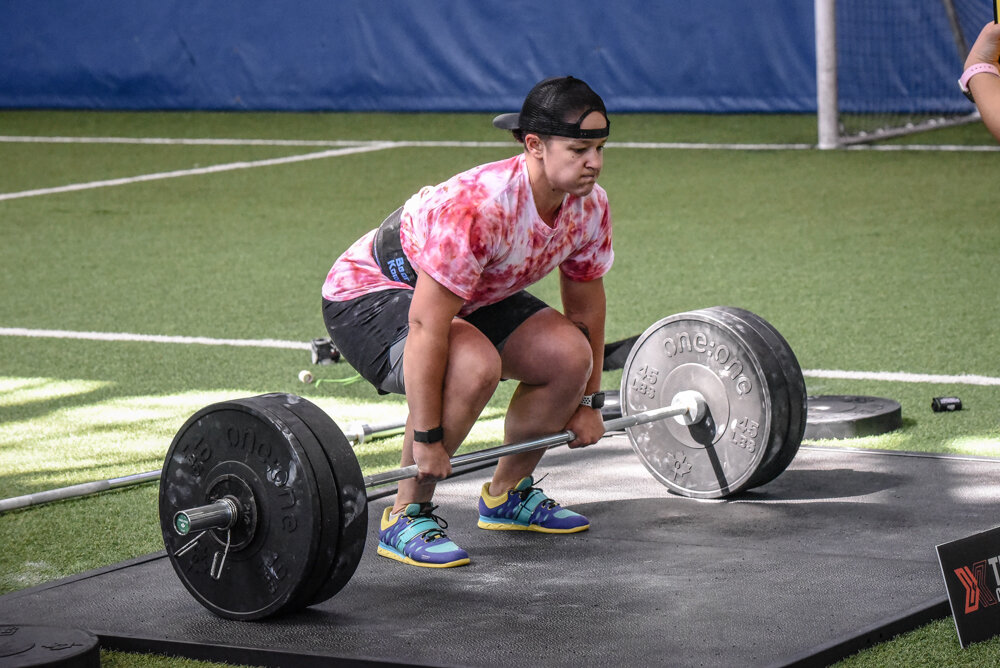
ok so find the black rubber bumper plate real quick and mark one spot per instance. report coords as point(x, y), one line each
point(844, 416)
point(24, 645)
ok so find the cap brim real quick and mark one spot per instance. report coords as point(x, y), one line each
point(507, 121)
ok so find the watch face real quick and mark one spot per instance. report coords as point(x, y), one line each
point(598, 400)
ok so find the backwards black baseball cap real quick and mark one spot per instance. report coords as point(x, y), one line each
point(549, 103)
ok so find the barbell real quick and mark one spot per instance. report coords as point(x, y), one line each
point(356, 432)
point(263, 504)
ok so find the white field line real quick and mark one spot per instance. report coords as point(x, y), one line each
point(153, 338)
point(695, 146)
point(946, 148)
point(612, 144)
point(213, 169)
point(348, 148)
point(886, 376)
point(678, 146)
point(901, 377)
point(167, 141)
point(181, 141)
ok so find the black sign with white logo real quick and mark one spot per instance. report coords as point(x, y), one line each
point(971, 570)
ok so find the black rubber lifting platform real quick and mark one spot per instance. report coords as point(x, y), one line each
point(835, 554)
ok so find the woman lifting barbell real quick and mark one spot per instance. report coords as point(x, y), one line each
point(435, 296)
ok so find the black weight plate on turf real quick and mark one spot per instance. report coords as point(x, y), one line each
point(700, 350)
point(616, 352)
point(329, 544)
point(782, 456)
point(840, 416)
point(23, 645)
point(267, 576)
point(353, 498)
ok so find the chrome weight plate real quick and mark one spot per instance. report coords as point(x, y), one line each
point(703, 351)
point(792, 390)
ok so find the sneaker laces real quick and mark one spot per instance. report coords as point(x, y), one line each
point(427, 512)
point(546, 503)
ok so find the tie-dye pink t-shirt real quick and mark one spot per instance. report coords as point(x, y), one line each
point(480, 235)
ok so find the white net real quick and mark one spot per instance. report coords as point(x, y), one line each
point(898, 62)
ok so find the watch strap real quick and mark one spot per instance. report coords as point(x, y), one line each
point(595, 400)
point(973, 70)
point(430, 436)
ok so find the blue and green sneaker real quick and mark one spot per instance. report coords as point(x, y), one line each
point(526, 508)
point(415, 537)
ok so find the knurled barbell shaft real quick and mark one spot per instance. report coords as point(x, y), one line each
point(359, 432)
point(222, 513)
point(356, 433)
point(539, 443)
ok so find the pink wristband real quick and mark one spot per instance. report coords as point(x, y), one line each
point(973, 70)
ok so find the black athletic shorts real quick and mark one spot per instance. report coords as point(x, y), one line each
point(370, 331)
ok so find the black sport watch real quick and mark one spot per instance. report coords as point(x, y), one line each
point(595, 400)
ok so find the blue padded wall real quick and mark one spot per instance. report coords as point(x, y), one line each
point(411, 55)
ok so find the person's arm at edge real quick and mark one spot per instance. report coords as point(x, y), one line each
point(985, 88)
point(585, 305)
point(425, 361)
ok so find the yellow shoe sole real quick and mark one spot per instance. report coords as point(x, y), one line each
point(406, 560)
point(503, 526)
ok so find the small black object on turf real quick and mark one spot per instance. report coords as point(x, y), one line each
point(324, 352)
point(946, 404)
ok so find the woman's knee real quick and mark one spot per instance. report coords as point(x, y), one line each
point(548, 349)
point(474, 367)
point(567, 353)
